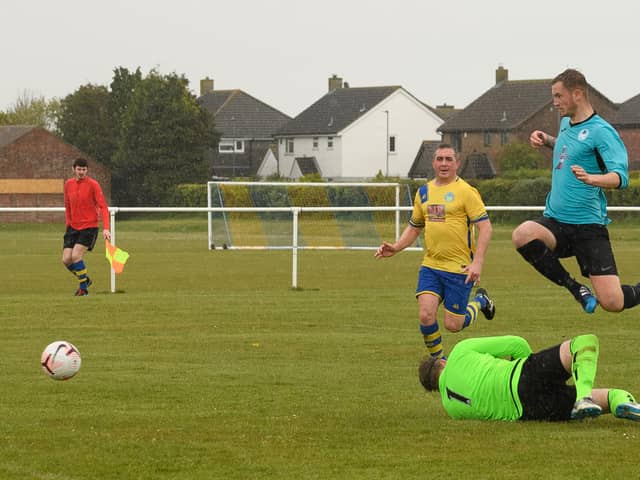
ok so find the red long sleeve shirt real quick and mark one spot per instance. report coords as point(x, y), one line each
point(83, 200)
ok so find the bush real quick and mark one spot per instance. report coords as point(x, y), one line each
point(516, 156)
point(189, 195)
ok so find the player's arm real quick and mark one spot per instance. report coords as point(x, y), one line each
point(504, 346)
point(408, 237)
point(474, 270)
point(67, 206)
point(612, 157)
point(104, 211)
point(538, 139)
point(604, 180)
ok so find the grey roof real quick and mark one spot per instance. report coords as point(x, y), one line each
point(504, 106)
point(422, 165)
point(239, 115)
point(336, 110)
point(10, 133)
point(307, 165)
point(477, 165)
point(628, 113)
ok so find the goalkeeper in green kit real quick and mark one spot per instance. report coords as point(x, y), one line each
point(499, 378)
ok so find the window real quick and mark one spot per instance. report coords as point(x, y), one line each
point(315, 143)
point(289, 146)
point(392, 144)
point(487, 139)
point(456, 142)
point(225, 146)
point(329, 143)
point(231, 146)
point(505, 138)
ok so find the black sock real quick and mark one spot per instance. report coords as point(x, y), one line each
point(631, 295)
point(547, 263)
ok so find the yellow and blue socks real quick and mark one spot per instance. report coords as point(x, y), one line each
point(432, 339)
point(80, 270)
point(471, 314)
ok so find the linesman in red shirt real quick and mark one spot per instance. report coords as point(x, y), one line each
point(83, 201)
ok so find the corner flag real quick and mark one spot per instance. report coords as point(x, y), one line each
point(116, 257)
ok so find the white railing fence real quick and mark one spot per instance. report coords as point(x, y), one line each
point(295, 215)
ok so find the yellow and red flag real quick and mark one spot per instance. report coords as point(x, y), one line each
point(116, 256)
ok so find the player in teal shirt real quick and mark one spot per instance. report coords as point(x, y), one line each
point(588, 156)
point(499, 378)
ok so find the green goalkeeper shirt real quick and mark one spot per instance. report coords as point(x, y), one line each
point(480, 378)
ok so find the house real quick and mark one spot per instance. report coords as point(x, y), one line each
point(34, 164)
point(627, 122)
point(356, 133)
point(477, 165)
point(246, 126)
point(507, 113)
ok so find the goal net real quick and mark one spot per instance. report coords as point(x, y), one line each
point(309, 215)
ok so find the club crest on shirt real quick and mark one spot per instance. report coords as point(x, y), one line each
point(584, 133)
point(448, 197)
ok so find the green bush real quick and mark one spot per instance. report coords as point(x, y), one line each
point(189, 195)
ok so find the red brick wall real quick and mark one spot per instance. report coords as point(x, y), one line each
point(547, 120)
point(631, 138)
point(40, 154)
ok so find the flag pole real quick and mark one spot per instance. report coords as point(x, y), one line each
point(112, 214)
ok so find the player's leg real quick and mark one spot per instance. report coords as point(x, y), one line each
point(428, 309)
point(623, 404)
point(459, 311)
point(580, 356)
point(80, 268)
point(541, 243)
point(617, 401)
point(86, 242)
point(429, 293)
point(609, 292)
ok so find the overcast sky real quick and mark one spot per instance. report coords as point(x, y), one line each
point(283, 51)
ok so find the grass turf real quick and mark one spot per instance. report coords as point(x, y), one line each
point(207, 365)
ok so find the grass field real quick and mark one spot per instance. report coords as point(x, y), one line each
point(206, 365)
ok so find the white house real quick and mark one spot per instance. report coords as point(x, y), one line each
point(355, 133)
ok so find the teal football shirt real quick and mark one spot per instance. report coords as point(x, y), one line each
point(573, 201)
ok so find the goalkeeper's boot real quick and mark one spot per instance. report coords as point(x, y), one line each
point(585, 408)
point(586, 298)
point(629, 411)
point(489, 309)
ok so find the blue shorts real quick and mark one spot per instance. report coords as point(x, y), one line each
point(449, 287)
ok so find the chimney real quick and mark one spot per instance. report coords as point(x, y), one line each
point(502, 74)
point(206, 86)
point(335, 82)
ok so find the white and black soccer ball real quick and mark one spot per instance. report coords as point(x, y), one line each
point(60, 360)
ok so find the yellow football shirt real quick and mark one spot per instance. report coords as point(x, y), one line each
point(448, 214)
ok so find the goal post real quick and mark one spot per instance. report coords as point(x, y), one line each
point(331, 216)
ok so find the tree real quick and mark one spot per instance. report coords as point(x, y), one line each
point(150, 131)
point(30, 109)
point(517, 156)
point(164, 135)
point(85, 120)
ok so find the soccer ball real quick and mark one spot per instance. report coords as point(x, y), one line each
point(60, 360)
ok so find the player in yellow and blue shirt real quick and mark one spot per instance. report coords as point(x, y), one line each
point(449, 210)
point(588, 156)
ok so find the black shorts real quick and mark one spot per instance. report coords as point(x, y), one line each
point(542, 388)
point(86, 237)
point(589, 243)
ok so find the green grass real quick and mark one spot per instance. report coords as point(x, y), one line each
point(207, 365)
